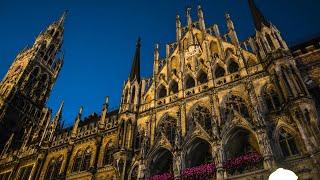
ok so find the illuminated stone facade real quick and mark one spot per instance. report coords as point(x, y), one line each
point(242, 108)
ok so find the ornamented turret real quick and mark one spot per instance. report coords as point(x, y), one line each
point(156, 61)
point(132, 87)
point(268, 38)
point(29, 81)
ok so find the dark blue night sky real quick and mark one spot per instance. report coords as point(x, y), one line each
point(100, 37)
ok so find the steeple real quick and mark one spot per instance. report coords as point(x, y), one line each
point(257, 16)
point(62, 18)
point(58, 116)
point(135, 69)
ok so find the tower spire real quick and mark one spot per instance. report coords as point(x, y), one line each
point(258, 17)
point(62, 18)
point(135, 69)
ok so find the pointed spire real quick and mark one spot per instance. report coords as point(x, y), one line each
point(63, 18)
point(156, 60)
point(103, 119)
point(58, 116)
point(189, 19)
point(201, 18)
point(178, 28)
point(76, 124)
point(135, 69)
point(7, 145)
point(257, 16)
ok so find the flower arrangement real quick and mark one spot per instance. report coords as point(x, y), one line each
point(165, 176)
point(204, 171)
point(240, 163)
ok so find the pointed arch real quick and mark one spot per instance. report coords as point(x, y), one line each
point(174, 64)
point(270, 42)
point(77, 161)
point(233, 66)
point(270, 97)
point(108, 153)
point(133, 94)
point(173, 87)
point(162, 91)
point(202, 115)
point(214, 48)
point(219, 71)
point(167, 126)
point(202, 77)
point(86, 162)
point(190, 82)
point(287, 143)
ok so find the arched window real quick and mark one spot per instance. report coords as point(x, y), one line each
point(32, 80)
point(162, 91)
point(287, 144)
point(173, 88)
point(108, 154)
point(214, 47)
point(134, 173)
point(229, 51)
point(86, 160)
point(125, 98)
point(201, 115)
point(268, 37)
point(219, 72)
point(238, 104)
point(54, 168)
point(271, 99)
point(77, 162)
point(50, 169)
point(137, 139)
point(190, 83)
point(133, 94)
point(168, 127)
point(202, 77)
point(233, 67)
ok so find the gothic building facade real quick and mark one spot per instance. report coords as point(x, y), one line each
point(214, 108)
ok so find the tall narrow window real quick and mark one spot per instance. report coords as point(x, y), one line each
point(77, 162)
point(133, 94)
point(24, 173)
point(86, 161)
point(270, 42)
point(287, 144)
point(162, 91)
point(219, 72)
point(173, 88)
point(202, 77)
point(108, 154)
point(233, 67)
point(190, 83)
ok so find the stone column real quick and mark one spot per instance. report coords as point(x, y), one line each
point(218, 156)
point(177, 164)
point(266, 150)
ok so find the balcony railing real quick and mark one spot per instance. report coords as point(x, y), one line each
point(203, 172)
point(243, 164)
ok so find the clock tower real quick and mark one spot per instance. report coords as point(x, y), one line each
point(27, 84)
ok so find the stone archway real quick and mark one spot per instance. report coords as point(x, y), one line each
point(161, 162)
point(198, 153)
point(242, 153)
